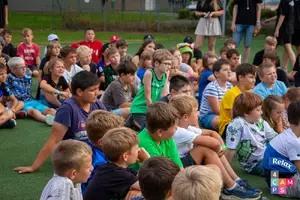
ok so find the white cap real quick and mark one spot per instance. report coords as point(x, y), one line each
point(52, 37)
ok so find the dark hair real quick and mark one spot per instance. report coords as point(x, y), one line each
point(272, 55)
point(244, 69)
point(88, 29)
point(293, 94)
point(126, 67)
point(6, 31)
point(2, 66)
point(121, 43)
point(245, 103)
point(224, 49)
point(231, 52)
point(64, 52)
point(160, 115)
point(268, 105)
point(156, 176)
point(218, 65)
point(293, 113)
point(146, 42)
point(159, 46)
point(177, 82)
point(83, 80)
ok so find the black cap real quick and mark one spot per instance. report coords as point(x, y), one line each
point(188, 39)
point(148, 36)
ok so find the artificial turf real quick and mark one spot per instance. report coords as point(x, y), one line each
point(20, 146)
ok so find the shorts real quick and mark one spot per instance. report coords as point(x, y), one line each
point(206, 120)
point(117, 111)
point(258, 169)
point(188, 160)
point(44, 101)
point(34, 104)
point(33, 68)
point(140, 118)
point(296, 38)
point(243, 30)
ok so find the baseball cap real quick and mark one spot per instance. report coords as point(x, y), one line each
point(114, 38)
point(188, 39)
point(148, 36)
point(52, 37)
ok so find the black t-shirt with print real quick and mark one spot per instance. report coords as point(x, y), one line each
point(297, 14)
point(246, 11)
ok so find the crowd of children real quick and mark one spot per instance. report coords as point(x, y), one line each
point(133, 121)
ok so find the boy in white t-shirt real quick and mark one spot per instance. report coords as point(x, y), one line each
point(283, 153)
point(209, 148)
point(69, 56)
point(248, 134)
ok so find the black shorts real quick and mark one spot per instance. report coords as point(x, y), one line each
point(296, 37)
point(188, 160)
point(285, 36)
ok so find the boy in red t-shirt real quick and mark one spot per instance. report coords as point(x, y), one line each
point(95, 45)
point(30, 52)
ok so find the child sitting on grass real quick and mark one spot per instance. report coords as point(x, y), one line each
point(8, 48)
point(84, 56)
point(293, 94)
point(110, 71)
point(283, 154)
point(122, 46)
point(248, 134)
point(145, 63)
point(197, 182)
point(72, 163)
point(197, 146)
point(20, 85)
point(97, 124)
point(113, 180)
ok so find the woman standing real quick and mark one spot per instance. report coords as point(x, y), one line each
point(209, 24)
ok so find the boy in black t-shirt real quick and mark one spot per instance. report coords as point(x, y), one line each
point(8, 48)
point(114, 180)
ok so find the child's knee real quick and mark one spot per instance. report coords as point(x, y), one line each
point(49, 111)
point(35, 73)
point(21, 105)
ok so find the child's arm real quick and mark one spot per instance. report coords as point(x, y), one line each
point(165, 91)
point(233, 138)
point(280, 21)
point(136, 186)
point(208, 142)
point(213, 134)
point(297, 163)
point(211, 78)
point(38, 61)
point(147, 84)
point(132, 193)
point(214, 104)
point(14, 101)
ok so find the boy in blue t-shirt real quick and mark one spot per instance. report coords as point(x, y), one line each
point(283, 153)
point(97, 124)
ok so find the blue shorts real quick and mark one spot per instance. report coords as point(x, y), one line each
point(258, 169)
point(34, 104)
point(243, 30)
point(206, 120)
point(117, 111)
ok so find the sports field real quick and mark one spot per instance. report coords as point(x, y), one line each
point(20, 146)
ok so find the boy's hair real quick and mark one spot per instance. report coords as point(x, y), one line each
point(146, 55)
point(184, 104)
point(26, 31)
point(145, 43)
point(293, 94)
point(126, 67)
point(160, 55)
point(197, 182)
point(6, 31)
point(268, 105)
point(88, 29)
point(121, 43)
point(83, 51)
point(218, 65)
point(2, 66)
point(245, 103)
point(205, 58)
point(159, 46)
point(229, 41)
point(69, 154)
point(178, 81)
point(231, 52)
point(101, 121)
point(156, 176)
point(244, 69)
point(83, 80)
point(110, 50)
point(224, 49)
point(262, 66)
point(14, 61)
point(118, 141)
point(293, 113)
point(160, 115)
point(64, 52)
point(270, 40)
point(271, 54)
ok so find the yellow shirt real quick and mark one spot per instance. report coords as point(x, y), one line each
point(225, 106)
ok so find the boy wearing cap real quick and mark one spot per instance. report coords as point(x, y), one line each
point(95, 45)
point(197, 52)
point(113, 40)
point(52, 37)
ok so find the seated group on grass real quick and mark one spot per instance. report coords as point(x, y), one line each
point(133, 121)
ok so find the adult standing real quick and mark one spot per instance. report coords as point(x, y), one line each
point(245, 18)
point(296, 38)
point(3, 14)
point(209, 24)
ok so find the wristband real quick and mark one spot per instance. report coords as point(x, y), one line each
point(190, 75)
point(224, 146)
point(57, 92)
point(258, 22)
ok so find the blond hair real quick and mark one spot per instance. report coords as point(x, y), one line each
point(197, 182)
point(50, 64)
point(184, 104)
point(160, 55)
point(69, 154)
point(264, 65)
point(50, 46)
point(101, 121)
point(83, 50)
point(109, 51)
point(270, 40)
point(26, 31)
point(118, 141)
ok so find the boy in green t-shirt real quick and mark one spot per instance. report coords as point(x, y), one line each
point(156, 138)
point(153, 85)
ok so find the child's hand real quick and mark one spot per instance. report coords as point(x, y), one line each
point(23, 170)
point(132, 193)
point(221, 152)
point(276, 34)
point(143, 155)
point(3, 61)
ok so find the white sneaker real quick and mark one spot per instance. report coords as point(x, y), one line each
point(49, 119)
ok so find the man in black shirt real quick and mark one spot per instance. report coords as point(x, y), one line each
point(245, 18)
point(296, 35)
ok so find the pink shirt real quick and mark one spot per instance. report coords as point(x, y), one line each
point(29, 53)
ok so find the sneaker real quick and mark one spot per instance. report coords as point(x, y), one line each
point(245, 184)
point(9, 124)
point(21, 114)
point(49, 119)
point(239, 192)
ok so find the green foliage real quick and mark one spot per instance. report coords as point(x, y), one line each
point(184, 14)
